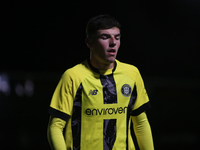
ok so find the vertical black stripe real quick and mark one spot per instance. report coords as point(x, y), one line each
point(109, 89)
point(109, 133)
point(76, 119)
point(109, 97)
point(130, 107)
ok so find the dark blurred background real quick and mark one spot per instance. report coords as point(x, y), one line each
point(40, 40)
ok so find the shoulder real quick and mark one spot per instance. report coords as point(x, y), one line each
point(78, 70)
point(129, 70)
point(125, 67)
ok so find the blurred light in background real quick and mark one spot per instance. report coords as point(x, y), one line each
point(4, 84)
point(20, 88)
point(29, 88)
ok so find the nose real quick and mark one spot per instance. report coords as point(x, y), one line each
point(112, 42)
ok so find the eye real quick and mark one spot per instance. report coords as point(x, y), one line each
point(117, 37)
point(104, 37)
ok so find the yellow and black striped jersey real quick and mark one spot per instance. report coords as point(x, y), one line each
point(97, 105)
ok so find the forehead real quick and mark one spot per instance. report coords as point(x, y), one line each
point(111, 31)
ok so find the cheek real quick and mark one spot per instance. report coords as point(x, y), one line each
point(103, 46)
point(118, 44)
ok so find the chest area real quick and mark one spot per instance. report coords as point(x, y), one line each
point(107, 90)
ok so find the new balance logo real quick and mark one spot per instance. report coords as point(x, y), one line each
point(93, 92)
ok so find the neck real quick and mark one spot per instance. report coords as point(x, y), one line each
point(101, 66)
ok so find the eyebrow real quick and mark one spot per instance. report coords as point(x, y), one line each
point(105, 34)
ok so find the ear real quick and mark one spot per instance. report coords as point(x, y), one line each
point(88, 42)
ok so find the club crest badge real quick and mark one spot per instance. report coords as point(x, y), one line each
point(126, 90)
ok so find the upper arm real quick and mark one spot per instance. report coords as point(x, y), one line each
point(56, 122)
point(139, 119)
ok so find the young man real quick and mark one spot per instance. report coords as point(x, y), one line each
point(95, 101)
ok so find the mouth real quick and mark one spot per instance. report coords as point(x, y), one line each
point(111, 51)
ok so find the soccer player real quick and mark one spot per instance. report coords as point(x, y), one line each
point(95, 101)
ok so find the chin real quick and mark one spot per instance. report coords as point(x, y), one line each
point(111, 60)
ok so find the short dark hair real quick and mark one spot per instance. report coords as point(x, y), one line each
point(101, 22)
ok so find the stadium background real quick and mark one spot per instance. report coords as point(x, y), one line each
point(40, 40)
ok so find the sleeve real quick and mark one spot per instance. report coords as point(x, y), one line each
point(55, 133)
point(142, 131)
point(142, 99)
point(62, 100)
